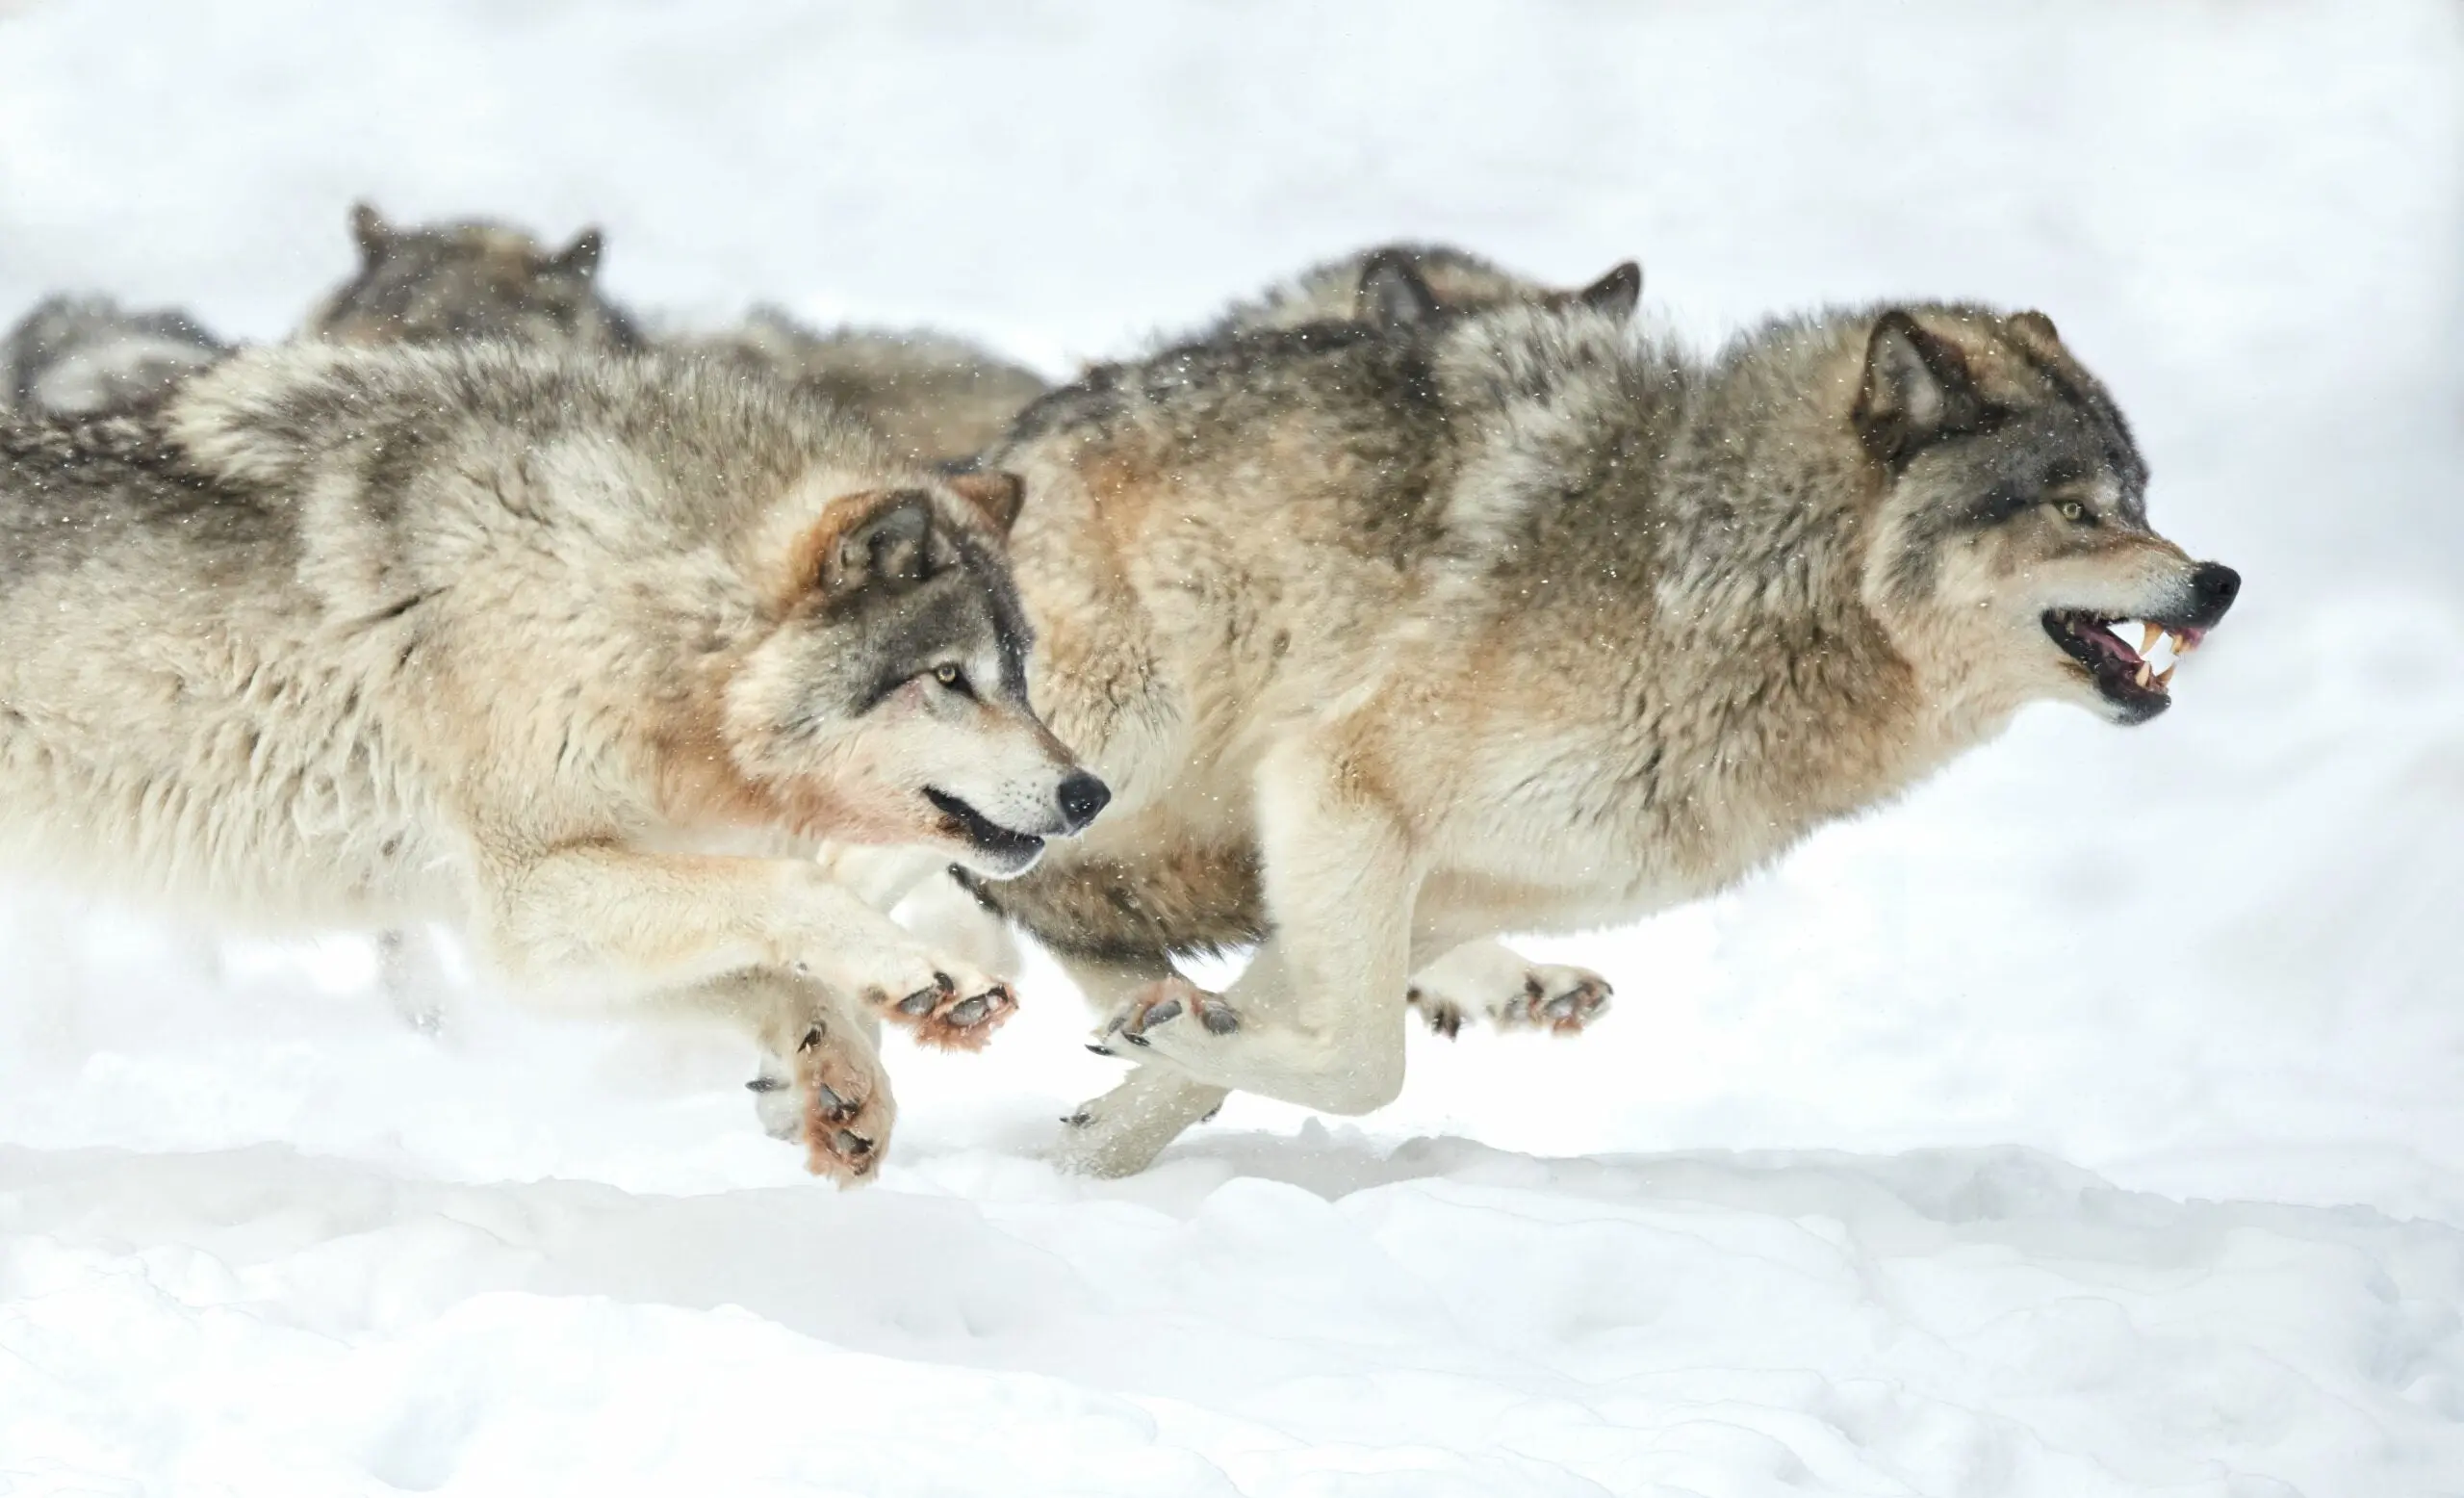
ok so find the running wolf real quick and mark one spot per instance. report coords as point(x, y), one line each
point(83, 354)
point(938, 398)
point(1388, 639)
point(586, 656)
point(471, 279)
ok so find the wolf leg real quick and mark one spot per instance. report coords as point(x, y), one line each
point(821, 1080)
point(411, 971)
point(767, 942)
point(1316, 1019)
point(1121, 1132)
point(1493, 979)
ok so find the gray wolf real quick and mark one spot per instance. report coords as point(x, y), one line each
point(75, 354)
point(471, 279)
point(1394, 287)
point(1409, 283)
point(938, 398)
point(1390, 639)
point(582, 657)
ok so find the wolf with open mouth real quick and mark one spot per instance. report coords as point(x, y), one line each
point(1389, 639)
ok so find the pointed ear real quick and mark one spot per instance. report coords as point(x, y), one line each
point(581, 256)
point(2037, 325)
point(1916, 389)
point(1617, 293)
point(1392, 292)
point(890, 543)
point(373, 234)
point(997, 494)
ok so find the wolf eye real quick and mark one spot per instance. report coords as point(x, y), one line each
point(2073, 511)
point(954, 679)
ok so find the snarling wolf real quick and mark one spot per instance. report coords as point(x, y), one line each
point(1396, 284)
point(1392, 638)
point(81, 354)
point(469, 279)
point(584, 657)
point(938, 398)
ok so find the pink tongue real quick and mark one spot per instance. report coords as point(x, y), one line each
point(2116, 644)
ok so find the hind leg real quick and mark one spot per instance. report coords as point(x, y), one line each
point(1490, 979)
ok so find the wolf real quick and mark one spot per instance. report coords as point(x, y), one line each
point(471, 279)
point(1394, 287)
point(1406, 283)
point(80, 354)
point(938, 398)
point(584, 657)
point(1390, 639)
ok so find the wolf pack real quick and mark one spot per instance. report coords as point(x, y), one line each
point(1409, 605)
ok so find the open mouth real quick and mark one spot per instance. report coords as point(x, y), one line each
point(2131, 660)
point(982, 833)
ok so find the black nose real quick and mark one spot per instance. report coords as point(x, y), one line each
point(1082, 796)
point(2215, 587)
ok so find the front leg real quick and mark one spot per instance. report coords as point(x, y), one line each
point(822, 1082)
point(1317, 1019)
point(597, 915)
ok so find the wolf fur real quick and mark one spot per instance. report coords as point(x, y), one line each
point(584, 657)
point(83, 354)
point(938, 398)
point(1392, 639)
point(471, 279)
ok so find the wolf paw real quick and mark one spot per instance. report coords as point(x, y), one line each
point(1172, 1002)
point(1444, 1016)
point(1561, 1001)
point(838, 1104)
point(947, 1017)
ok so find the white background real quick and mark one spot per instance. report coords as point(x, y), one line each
point(2088, 1122)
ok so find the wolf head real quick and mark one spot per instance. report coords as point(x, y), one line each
point(2011, 558)
point(893, 671)
point(1404, 287)
point(444, 283)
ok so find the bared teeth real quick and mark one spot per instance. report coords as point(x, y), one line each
point(2165, 677)
point(2142, 673)
point(2148, 637)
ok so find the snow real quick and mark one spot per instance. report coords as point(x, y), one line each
point(2088, 1122)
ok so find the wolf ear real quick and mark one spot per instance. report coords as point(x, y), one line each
point(2037, 325)
point(1392, 292)
point(892, 543)
point(1916, 389)
point(993, 492)
point(581, 256)
point(373, 234)
point(1617, 293)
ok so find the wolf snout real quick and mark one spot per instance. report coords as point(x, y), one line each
point(1082, 796)
point(2213, 588)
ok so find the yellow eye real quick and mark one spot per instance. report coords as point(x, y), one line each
point(2072, 509)
point(947, 676)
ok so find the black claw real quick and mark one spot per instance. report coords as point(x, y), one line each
point(850, 1143)
point(1101, 1050)
point(813, 1038)
point(1078, 1120)
point(1168, 1009)
point(830, 1102)
point(972, 1012)
point(764, 1084)
point(919, 1002)
point(1133, 1039)
point(1218, 1019)
point(945, 983)
point(1209, 1116)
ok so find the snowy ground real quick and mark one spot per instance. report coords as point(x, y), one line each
point(2092, 1122)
